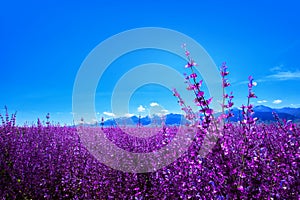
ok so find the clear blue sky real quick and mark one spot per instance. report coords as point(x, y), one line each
point(43, 44)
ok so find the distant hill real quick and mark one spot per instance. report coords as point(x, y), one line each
point(170, 119)
point(292, 111)
point(263, 113)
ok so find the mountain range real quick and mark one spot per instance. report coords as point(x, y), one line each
point(263, 113)
point(169, 119)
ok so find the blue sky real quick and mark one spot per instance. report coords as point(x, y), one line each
point(43, 45)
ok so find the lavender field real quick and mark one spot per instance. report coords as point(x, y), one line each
point(46, 161)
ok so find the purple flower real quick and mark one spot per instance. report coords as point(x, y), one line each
point(225, 83)
point(187, 53)
point(175, 93)
point(193, 75)
point(200, 94)
point(190, 64)
point(252, 95)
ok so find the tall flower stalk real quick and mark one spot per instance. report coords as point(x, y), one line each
point(205, 112)
point(225, 83)
point(247, 123)
point(247, 110)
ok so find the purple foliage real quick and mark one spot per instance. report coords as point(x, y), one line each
point(49, 162)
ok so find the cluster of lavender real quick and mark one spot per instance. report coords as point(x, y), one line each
point(205, 112)
point(207, 116)
point(246, 133)
point(50, 162)
point(224, 73)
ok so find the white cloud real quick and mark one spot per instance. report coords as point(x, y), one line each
point(165, 111)
point(262, 101)
point(158, 110)
point(109, 114)
point(154, 104)
point(277, 101)
point(276, 68)
point(295, 105)
point(246, 82)
point(128, 115)
point(92, 122)
point(288, 75)
point(162, 113)
point(241, 83)
point(141, 108)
